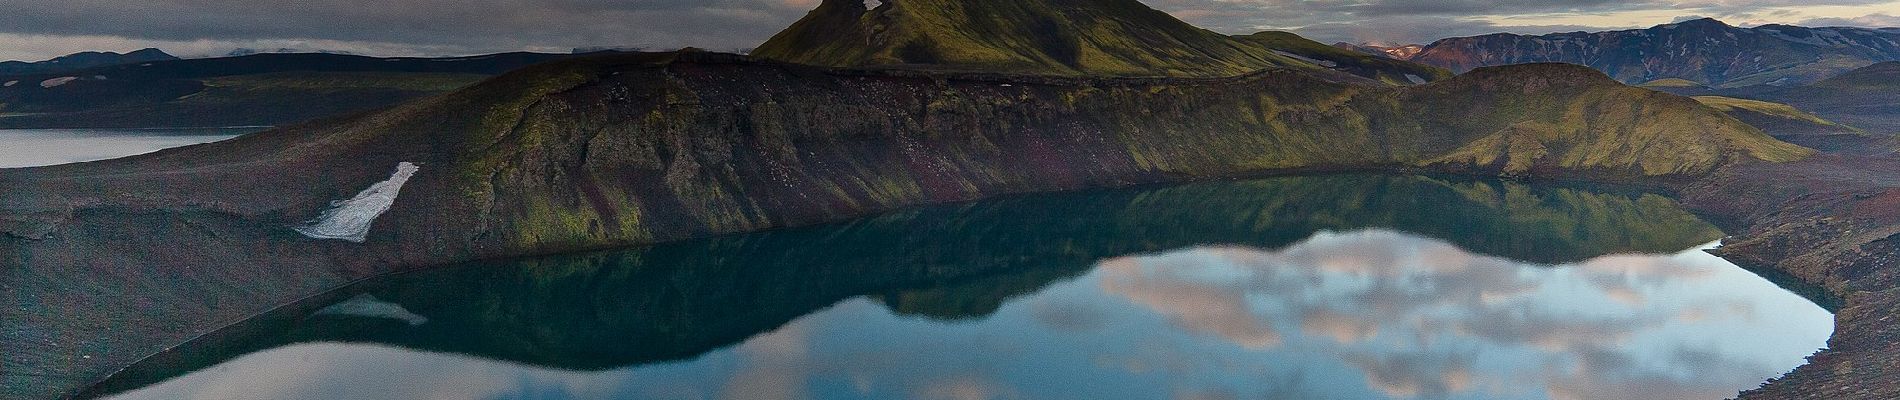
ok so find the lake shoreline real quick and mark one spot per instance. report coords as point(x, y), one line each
point(1599, 217)
point(1845, 322)
point(1829, 221)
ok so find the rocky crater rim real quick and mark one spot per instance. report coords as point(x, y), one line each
point(503, 111)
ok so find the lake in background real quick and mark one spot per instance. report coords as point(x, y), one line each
point(1347, 286)
point(39, 147)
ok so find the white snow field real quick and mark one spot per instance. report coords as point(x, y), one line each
point(350, 219)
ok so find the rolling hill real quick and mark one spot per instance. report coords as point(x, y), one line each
point(1776, 118)
point(1862, 98)
point(1865, 98)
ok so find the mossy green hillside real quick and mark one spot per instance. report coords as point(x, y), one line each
point(1510, 118)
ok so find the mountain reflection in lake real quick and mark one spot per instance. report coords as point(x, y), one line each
point(1312, 287)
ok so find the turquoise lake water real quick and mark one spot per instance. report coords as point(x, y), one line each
point(1346, 286)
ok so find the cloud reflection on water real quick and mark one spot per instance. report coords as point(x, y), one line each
point(1422, 318)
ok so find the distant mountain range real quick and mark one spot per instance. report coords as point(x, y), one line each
point(242, 51)
point(77, 61)
point(261, 89)
point(1704, 51)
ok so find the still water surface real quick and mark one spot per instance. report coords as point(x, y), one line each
point(1342, 287)
point(39, 147)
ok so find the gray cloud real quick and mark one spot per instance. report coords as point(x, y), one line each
point(38, 29)
point(440, 21)
point(1882, 20)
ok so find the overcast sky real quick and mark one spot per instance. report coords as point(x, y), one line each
point(40, 29)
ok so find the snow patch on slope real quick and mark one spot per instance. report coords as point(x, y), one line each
point(350, 219)
point(365, 305)
point(55, 82)
point(1415, 79)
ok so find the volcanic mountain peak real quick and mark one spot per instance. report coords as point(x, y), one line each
point(1060, 37)
point(1070, 37)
